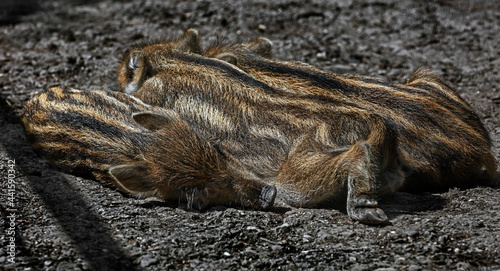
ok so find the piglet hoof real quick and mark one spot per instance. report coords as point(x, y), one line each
point(367, 215)
point(267, 196)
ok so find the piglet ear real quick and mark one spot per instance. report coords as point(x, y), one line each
point(262, 47)
point(228, 57)
point(134, 179)
point(190, 42)
point(153, 121)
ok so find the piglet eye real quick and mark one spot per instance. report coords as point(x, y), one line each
point(135, 60)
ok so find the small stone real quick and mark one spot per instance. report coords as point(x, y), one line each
point(400, 260)
point(411, 233)
point(321, 55)
point(148, 260)
point(443, 240)
point(463, 266)
point(276, 248)
point(284, 225)
point(306, 238)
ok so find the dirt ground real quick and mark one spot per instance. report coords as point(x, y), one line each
point(54, 221)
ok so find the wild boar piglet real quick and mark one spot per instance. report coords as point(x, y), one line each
point(136, 148)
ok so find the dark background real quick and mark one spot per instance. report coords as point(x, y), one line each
point(69, 223)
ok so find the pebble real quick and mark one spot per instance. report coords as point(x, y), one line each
point(411, 233)
point(261, 27)
point(276, 248)
point(148, 260)
point(252, 228)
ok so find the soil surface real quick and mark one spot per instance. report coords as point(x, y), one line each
point(55, 221)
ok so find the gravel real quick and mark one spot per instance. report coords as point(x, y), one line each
point(64, 222)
